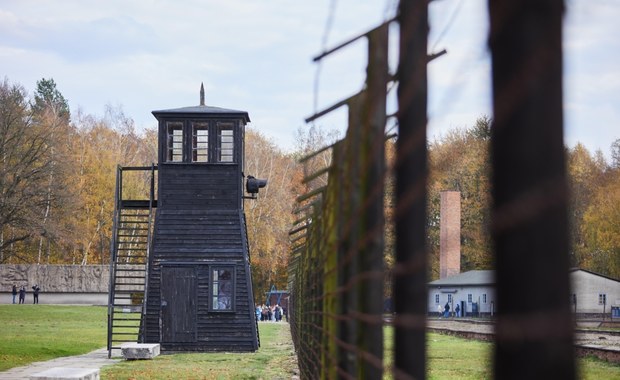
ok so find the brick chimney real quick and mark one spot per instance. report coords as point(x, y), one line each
point(450, 234)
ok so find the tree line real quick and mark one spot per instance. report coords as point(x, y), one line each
point(58, 174)
point(460, 161)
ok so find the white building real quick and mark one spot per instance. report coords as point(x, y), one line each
point(474, 291)
point(593, 293)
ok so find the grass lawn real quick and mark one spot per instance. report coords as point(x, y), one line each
point(275, 359)
point(461, 359)
point(31, 333)
point(453, 358)
point(449, 357)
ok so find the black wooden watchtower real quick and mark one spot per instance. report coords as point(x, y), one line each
point(198, 290)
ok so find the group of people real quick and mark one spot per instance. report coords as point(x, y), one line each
point(444, 312)
point(22, 293)
point(270, 313)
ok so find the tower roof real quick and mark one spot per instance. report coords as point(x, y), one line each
point(202, 110)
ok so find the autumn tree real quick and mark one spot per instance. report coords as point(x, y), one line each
point(99, 147)
point(595, 209)
point(460, 162)
point(51, 112)
point(615, 154)
point(269, 218)
point(601, 229)
point(313, 147)
point(25, 163)
point(585, 174)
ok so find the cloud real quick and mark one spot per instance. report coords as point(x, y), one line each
point(79, 40)
point(256, 56)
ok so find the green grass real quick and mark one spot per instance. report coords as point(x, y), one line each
point(275, 359)
point(592, 368)
point(453, 358)
point(461, 359)
point(450, 358)
point(31, 333)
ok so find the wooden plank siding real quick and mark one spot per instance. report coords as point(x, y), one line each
point(199, 240)
point(199, 244)
point(200, 186)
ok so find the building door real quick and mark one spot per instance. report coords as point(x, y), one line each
point(178, 304)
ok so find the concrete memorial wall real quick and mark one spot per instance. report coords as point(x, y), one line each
point(60, 284)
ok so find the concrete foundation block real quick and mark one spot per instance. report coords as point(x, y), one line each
point(131, 351)
point(62, 373)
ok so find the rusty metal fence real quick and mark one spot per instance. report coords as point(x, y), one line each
point(337, 272)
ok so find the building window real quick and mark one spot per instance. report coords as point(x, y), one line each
point(222, 288)
point(469, 298)
point(436, 298)
point(200, 142)
point(225, 142)
point(602, 299)
point(484, 298)
point(175, 142)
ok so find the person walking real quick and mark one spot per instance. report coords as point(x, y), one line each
point(446, 310)
point(440, 310)
point(457, 309)
point(278, 313)
point(22, 294)
point(35, 293)
point(14, 292)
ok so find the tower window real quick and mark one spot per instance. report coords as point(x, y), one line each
point(225, 143)
point(200, 142)
point(175, 142)
point(222, 289)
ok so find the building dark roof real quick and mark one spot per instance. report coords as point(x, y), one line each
point(202, 110)
point(487, 277)
point(571, 270)
point(472, 277)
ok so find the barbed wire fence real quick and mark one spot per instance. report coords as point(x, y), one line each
point(337, 271)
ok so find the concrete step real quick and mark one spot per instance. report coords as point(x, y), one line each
point(132, 351)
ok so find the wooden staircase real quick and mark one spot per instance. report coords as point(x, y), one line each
point(247, 247)
point(131, 242)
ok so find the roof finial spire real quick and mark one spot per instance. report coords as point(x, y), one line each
point(202, 94)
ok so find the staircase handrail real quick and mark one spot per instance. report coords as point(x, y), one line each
point(113, 252)
point(148, 252)
point(248, 263)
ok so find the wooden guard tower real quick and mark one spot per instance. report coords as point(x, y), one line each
point(198, 290)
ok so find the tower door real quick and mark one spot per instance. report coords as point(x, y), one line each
point(178, 304)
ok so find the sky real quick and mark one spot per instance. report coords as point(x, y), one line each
point(256, 56)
